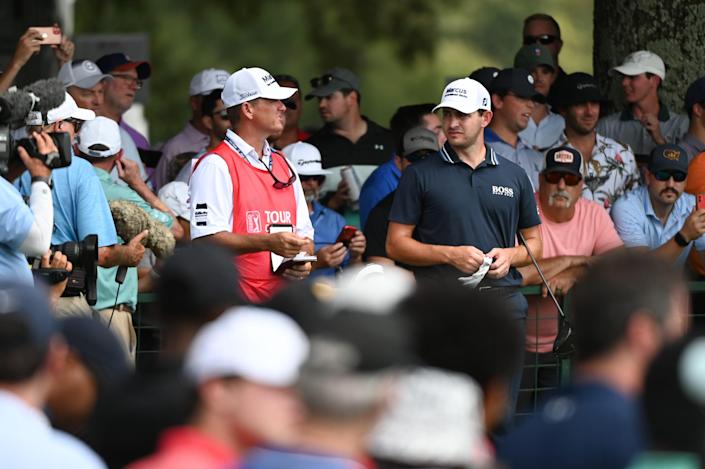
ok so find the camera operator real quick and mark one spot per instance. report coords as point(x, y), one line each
point(26, 231)
point(80, 206)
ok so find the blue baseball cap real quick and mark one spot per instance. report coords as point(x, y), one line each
point(31, 305)
point(120, 61)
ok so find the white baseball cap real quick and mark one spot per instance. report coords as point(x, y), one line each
point(175, 195)
point(81, 73)
point(306, 159)
point(206, 81)
point(465, 95)
point(68, 109)
point(641, 61)
point(251, 83)
point(100, 131)
point(257, 344)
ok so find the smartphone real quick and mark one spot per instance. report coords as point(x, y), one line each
point(346, 235)
point(50, 34)
point(700, 201)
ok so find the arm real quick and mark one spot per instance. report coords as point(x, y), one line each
point(28, 45)
point(693, 228)
point(550, 268)
point(284, 244)
point(129, 172)
point(516, 256)
point(129, 254)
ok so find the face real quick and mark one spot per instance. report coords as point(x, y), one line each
point(544, 77)
point(542, 27)
point(88, 98)
point(558, 195)
point(513, 110)
point(220, 120)
point(311, 186)
point(665, 192)
point(121, 90)
point(268, 115)
point(433, 123)
point(582, 118)
point(293, 116)
point(335, 106)
point(638, 87)
point(463, 130)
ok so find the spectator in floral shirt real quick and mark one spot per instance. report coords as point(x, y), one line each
point(609, 167)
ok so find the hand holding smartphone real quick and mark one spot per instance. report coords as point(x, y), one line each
point(49, 34)
point(346, 235)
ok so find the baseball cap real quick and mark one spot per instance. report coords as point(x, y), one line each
point(577, 88)
point(207, 80)
point(175, 196)
point(251, 83)
point(333, 80)
point(81, 73)
point(531, 56)
point(119, 61)
point(641, 61)
point(465, 95)
point(30, 306)
point(256, 344)
point(484, 75)
point(419, 139)
point(564, 159)
point(306, 159)
point(68, 110)
point(668, 157)
point(694, 94)
point(517, 81)
point(100, 131)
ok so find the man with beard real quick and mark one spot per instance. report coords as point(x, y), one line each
point(573, 230)
point(609, 167)
point(327, 223)
point(660, 216)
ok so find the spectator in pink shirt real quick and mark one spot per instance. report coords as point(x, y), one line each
point(573, 230)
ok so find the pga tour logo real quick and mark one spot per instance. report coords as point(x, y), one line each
point(504, 191)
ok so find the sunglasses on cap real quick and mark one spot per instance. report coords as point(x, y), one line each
point(320, 178)
point(544, 39)
point(554, 177)
point(277, 183)
point(324, 80)
point(665, 175)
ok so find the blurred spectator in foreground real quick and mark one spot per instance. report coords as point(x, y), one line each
point(292, 133)
point(33, 355)
point(659, 216)
point(195, 136)
point(693, 142)
point(625, 309)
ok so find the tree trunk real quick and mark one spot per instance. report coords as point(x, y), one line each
point(673, 29)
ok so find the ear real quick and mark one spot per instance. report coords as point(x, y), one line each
point(248, 110)
point(486, 118)
point(195, 102)
point(497, 101)
point(207, 122)
point(697, 109)
point(643, 335)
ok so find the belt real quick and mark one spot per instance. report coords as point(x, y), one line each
point(125, 308)
point(497, 290)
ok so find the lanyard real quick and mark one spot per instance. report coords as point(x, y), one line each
point(230, 142)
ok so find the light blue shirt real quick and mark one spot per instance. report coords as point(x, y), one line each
point(638, 225)
point(15, 221)
point(530, 160)
point(544, 135)
point(327, 225)
point(80, 207)
point(382, 182)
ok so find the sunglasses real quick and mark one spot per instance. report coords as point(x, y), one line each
point(318, 178)
point(665, 175)
point(222, 114)
point(554, 177)
point(544, 39)
point(77, 124)
point(277, 183)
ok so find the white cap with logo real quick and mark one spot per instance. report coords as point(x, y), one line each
point(207, 81)
point(68, 110)
point(305, 158)
point(465, 95)
point(251, 83)
point(641, 61)
point(100, 131)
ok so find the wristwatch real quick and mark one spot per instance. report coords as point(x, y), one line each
point(680, 240)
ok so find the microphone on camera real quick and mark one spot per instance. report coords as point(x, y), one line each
point(40, 96)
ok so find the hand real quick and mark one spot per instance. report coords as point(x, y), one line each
point(64, 51)
point(466, 259)
point(129, 171)
point(28, 45)
point(357, 246)
point(562, 283)
point(297, 271)
point(341, 196)
point(35, 166)
point(651, 124)
point(502, 261)
point(57, 261)
point(286, 244)
point(331, 256)
point(135, 249)
point(694, 225)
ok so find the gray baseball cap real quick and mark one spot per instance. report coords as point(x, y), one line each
point(418, 139)
point(333, 80)
point(81, 73)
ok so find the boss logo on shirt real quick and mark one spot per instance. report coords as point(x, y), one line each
point(504, 191)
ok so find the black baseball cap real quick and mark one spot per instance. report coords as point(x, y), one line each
point(668, 157)
point(484, 75)
point(120, 61)
point(564, 159)
point(333, 80)
point(517, 81)
point(577, 88)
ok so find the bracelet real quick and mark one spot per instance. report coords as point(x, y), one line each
point(44, 179)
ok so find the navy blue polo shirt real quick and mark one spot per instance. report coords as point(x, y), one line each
point(451, 204)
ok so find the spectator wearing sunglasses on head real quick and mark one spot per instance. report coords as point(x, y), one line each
point(543, 29)
point(660, 216)
point(243, 187)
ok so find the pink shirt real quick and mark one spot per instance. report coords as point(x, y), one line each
point(590, 232)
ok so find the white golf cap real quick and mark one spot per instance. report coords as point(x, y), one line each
point(81, 73)
point(68, 109)
point(465, 95)
point(641, 61)
point(102, 132)
point(175, 196)
point(257, 344)
point(206, 81)
point(251, 83)
point(305, 158)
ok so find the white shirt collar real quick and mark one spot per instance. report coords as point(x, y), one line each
point(247, 150)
